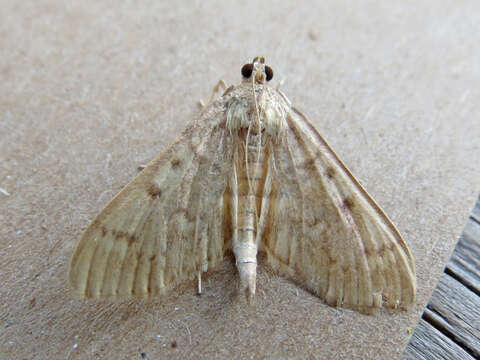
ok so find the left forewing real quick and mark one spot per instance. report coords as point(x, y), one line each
point(166, 225)
point(325, 231)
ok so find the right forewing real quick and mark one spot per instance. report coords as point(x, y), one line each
point(166, 225)
point(325, 231)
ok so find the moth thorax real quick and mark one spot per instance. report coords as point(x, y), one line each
point(265, 117)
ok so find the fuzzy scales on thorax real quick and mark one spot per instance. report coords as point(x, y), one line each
point(257, 122)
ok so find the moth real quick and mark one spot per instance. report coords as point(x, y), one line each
point(249, 174)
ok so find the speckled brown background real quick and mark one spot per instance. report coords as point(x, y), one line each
point(89, 90)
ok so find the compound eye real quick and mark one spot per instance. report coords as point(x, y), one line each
point(247, 70)
point(269, 73)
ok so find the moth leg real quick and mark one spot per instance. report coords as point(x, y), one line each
point(216, 90)
point(199, 282)
point(221, 86)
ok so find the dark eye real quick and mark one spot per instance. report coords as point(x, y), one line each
point(269, 73)
point(247, 70)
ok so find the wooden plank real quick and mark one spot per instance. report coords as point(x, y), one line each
point(455, 311)
point(450, 328)
point(464, 264)
point(429, 343)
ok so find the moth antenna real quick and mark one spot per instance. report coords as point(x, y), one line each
point(259, 143)
point(252, 81)
point(250, 189)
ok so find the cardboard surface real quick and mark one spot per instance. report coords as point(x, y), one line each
point(90, 90)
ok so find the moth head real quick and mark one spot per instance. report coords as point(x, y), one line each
point(257, 70)
point(253, 107)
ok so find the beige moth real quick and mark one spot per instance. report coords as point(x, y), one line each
point(249, 174)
